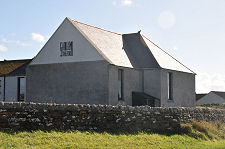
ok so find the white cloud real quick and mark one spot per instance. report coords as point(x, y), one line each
point(37, 37)
point(166, 19)
point(209, 82)
point(18, 42)
point(114, 3)
point(126, 2)
point(123, 3)
point(3, 48)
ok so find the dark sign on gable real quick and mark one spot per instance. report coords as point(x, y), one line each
point(66, 48)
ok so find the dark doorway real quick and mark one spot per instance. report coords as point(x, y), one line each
point(142, 99)
point(21, 89)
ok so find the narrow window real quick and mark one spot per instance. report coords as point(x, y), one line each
point(21, 88)
point(66, 48)
point(170, 85)
point(0, 87)
point(120, 84)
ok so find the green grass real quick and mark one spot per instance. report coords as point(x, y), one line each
point(197, 135)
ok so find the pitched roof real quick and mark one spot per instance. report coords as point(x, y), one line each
point(110, 45)
point(8, 66)
point(20, 71)
point(164, 59)
point(198, 96)
point(221, 94)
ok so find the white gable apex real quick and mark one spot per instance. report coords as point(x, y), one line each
point(83, 50)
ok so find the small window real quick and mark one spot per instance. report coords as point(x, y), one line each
point(21, 88)
point(120, 84)
point(66, 48)
point(170, 85)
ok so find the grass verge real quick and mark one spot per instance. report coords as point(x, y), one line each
point(196, 135)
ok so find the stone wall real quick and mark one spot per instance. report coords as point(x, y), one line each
point(32, 116)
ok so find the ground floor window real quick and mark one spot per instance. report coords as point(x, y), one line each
point(120, 84)
point(21, 88)
point(170, 85)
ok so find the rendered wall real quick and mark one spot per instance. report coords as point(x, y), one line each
point(11, 88)
point(113, 85)
point(80, 83)
point(183, 89)
point(30, 116)
point(132, 81)
point(152, 82)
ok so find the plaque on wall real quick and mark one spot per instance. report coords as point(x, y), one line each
point(66, 48)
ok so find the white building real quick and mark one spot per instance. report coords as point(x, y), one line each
point(13, 80)
point(84, 64)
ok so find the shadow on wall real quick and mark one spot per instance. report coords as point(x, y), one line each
point(139, 54)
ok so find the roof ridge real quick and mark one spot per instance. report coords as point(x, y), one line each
point(95, 27)
point(168, 54)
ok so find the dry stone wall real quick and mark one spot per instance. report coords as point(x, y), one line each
point(32, 116)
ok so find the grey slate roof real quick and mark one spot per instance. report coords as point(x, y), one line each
point(198, 96)
point(221, 94)
point(111, 46)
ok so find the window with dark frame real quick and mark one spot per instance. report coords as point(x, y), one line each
point(170, 85)
point(66, 48)
point(120, 84)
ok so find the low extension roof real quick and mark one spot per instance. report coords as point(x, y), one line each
point(221, 94)
point(8, 66)
point(110, 46)
point(199, 96)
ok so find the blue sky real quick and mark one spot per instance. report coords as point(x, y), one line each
point(192, 31)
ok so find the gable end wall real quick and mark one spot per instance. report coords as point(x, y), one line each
point(82, 49)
